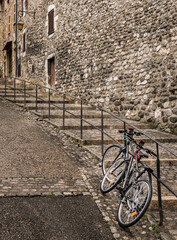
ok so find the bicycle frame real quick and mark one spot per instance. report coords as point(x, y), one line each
point(134, 155)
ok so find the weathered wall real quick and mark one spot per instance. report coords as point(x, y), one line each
point(119, 54)
point(1, 43)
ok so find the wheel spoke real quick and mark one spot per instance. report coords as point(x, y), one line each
point(134, 203)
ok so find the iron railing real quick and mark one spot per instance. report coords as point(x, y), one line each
point(102, 130)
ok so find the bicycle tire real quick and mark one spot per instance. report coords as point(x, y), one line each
point(135, 212)
point(113, 176)
point(111, 154)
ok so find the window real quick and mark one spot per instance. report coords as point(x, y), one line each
point(9, 26)
point(24, 42)
point(26, 5)
point(51, 72)
point(51, 22)
point(32, 70)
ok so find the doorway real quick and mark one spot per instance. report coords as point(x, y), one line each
point(51, 72)
point(9, 61)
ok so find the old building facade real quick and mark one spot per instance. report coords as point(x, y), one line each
point(1, 43)
point(8, 51)
point(118, 54)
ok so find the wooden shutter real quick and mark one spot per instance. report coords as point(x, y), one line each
point(24, 42)
point(9, 25)
point(51, 22)
point(26, 5)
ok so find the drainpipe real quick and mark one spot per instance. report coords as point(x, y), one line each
point(16, 36)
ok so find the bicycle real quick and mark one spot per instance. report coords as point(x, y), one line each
point(134, 186)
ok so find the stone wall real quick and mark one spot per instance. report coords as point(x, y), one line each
point(121, 55)
point(1, 43)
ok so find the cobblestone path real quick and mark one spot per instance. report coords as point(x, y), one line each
point(31, 162)
point(48, 173)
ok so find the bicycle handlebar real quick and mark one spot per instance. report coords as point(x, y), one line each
point(130, 131)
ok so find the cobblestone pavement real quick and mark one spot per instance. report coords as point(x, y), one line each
point(88, 182)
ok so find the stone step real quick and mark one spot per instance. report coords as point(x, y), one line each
point(11, 86)
point(68, 106)
point(168, 203)
point(109, 123)
point(21, 95)
point(43, 107)
point(166, 158)
point(11, 89)
point(72, 114)
point(94, 137)
point(2, 84)
point(31, 100)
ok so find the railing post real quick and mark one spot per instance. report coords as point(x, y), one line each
point(24, 94)
point(36, 98)
point(49, 104)
point(81, 120)
point(159, 187)
point(14, 89)
point(63, 111)
point(125, 142)
point(5, 85)
point(102, 133)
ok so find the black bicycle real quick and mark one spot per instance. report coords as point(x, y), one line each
point(131, 177)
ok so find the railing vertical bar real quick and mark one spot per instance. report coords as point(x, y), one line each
point(81, 121)
point(14, 89)
point(102, 133)
point(36, 98)
point(124, 134)
point(5, 85)
point(159, 187)
point(49, 104)
point(63, 111)
point(24, 94)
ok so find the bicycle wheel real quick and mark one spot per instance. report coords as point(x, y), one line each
point(113, 176)
point(112, 154)
point(134, 203)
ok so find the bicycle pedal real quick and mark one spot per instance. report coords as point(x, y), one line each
point(119, 188)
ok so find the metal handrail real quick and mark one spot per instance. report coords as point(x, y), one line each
point(103, 132)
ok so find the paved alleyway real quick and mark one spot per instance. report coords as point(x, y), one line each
point(32, 163)
point(47, 166)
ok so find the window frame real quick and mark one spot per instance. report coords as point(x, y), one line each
point(51, 22)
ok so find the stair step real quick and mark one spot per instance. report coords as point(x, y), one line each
point(166, 159)
point(168, 203)
point(45, 107)
point(72, 123)
point(94, 138)
point(11, 90)
point(29, 100)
